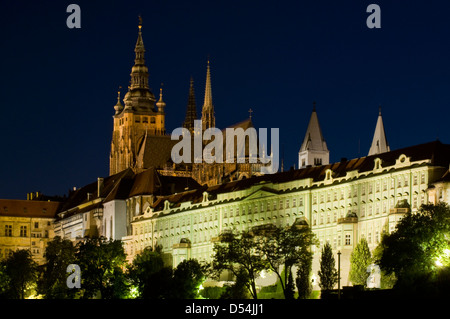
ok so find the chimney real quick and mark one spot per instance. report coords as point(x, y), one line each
point(99, 186)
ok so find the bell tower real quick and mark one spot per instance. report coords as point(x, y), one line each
point(137, 117)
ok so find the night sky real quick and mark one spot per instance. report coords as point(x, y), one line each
point(59, 85)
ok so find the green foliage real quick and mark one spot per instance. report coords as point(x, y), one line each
point(418, 250)
point(101, 262)
point(359, 261)
point(4, 281)
point(328, 274)
point(52, 284)
point(283, 248)
point(21, 272)
point(240, 255)
point(212, 292)
point(187, 278)
point(303, 280)
point(239, 290)
point(149, 274)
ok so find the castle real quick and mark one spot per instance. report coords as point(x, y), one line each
point(148, 200)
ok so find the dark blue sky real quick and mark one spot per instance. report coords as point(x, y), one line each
point(59, 85)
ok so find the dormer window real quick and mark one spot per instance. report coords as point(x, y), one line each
point(377, 163)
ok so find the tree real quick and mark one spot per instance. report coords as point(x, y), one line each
point(418, 250)
point(187, 278)
point(360, 260)
point(53, 282)
point(303, 280)
point(283, 248)
point(149, 274)
point(239, 254)
point(22, 272)
point(328, 274)
point(101, 262)
point(4, 281)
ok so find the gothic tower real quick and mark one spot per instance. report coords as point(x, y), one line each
point(208, 119)
point(191, 112)
point(137, 117)
point(379, 142)
point(314, 149)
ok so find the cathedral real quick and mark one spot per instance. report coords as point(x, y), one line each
point(139, 139)
point(148, 200)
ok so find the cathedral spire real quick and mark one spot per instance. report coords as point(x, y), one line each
point(314, 149)
point(208, 119)
point(191, 112)
point(379, 142)
point(139, 71)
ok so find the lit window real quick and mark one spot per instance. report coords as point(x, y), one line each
point(8, 230)
point(23, 231)
point(348, 240)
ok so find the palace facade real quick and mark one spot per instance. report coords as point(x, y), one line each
point(147, 200)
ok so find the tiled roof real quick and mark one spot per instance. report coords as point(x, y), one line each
point(438, 153)
point(28, 208)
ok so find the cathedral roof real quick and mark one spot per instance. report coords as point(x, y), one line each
point(155, 151)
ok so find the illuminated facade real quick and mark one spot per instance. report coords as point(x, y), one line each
point(141, 116)
point(26, 224)
point(342, 202)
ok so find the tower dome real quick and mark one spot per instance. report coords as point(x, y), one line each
point(161, 104)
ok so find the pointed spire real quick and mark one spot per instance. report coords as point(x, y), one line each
point(191, 112)
point(379, 142)
point(139, 71)
point(314, 150)
point(208, 119)
point(314, 139)
point(208, 92)
point(139, 49)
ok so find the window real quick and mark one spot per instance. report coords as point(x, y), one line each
point(317, 161)
point(294, 202)
point(8, 230)
point(152, 120)
point(36, 225)
point(415, 179)
point(287, 203)
point(23, 231)
point(300, 201)
point(422, 178)
point(348, 240)
point(314, 199)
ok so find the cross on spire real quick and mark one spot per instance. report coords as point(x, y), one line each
point(250, 111)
